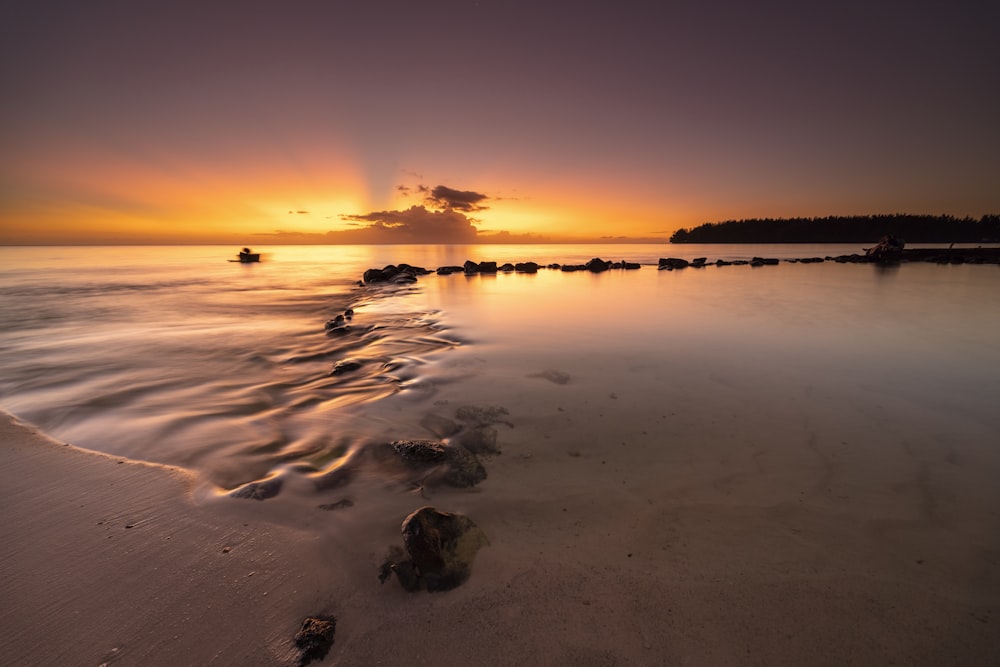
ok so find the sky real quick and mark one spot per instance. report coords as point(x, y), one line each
point(259, 123)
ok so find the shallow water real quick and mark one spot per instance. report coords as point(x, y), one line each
point(175, 355)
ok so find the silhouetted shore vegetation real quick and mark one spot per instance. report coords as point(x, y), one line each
point(846, 229)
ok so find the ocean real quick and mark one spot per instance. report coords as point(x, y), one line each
point(176, 355)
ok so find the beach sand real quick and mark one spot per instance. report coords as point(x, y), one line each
point(605, 549)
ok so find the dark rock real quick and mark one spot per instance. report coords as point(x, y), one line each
point(413, 270)
point(470, 267)
point(420, 452)
point(447, 270)
point(349, 313)
point(888, 249)
point(740, 262)
point(480, 440)
point(722, 262)
point(441, 546)
point(699, 262)
point(554, 266)
point(573, 267)
point(315, 638)
point(631, 266)
point(507, 268)
point(346, 366)
point(261, 490)
point(526, 267)
point(673, 263)
point(373, 276)
point(338, 322)
point(455, 465)
point(597, 265)
point(487, 267)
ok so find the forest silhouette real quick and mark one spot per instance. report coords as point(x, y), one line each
point(846, 229)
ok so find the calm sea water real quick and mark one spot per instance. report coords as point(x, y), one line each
point(175, 355)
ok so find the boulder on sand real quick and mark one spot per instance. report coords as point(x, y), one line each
point(440, 547)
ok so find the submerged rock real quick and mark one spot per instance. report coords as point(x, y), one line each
point(315, 638)
point(346, 366)
point(440, 548)
point(261, 490)
point(456, 465)
point(480, 440)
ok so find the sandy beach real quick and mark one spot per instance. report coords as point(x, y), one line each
point(712, 467)
point(757, 558)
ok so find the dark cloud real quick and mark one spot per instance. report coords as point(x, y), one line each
point(416, 224)
point(460, 200)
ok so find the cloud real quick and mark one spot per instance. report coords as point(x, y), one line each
point(416, 224)
point(460, 200)
point(298, 212)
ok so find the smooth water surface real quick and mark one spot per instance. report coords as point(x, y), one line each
point(175, 355)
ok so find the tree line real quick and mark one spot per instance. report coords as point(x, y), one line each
point(846, 229)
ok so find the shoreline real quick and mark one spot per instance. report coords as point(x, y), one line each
point(110, 561)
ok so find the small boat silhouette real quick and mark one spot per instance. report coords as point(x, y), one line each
point(246, 257)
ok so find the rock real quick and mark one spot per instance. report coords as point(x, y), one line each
point(487, 267)
point(480, 440)
point(470, 267)
point(346, 366)
point(888, 249)
point(261, 490)
point(420, 452)
point(597, 265)
point(403, 279)
point(458, 466)
point(722, 262)
point(373, 276)
point(441, 547)
point(349, 313)
point(699, 262)
point(339, 322)
point(673, 263)
point(315, 638)
point(507, 268)
point(631, 266)
point(526, 267)
point(447, 270)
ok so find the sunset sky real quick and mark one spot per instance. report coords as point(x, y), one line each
point(261, 123)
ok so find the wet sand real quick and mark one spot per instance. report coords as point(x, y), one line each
point(605, 550)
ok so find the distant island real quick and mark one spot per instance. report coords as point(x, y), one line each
point(846, 229)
